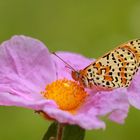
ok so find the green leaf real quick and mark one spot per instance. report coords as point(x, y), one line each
point(73, 132)
point(51, 132)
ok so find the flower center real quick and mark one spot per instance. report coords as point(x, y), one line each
point(66, 93)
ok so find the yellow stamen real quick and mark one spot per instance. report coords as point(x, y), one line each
point(67, 94)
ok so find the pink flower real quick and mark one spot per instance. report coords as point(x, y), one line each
point(27, 68)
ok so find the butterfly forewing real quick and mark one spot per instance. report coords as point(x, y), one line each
point(116, 68)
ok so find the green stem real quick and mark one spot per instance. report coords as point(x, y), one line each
point(59, 131)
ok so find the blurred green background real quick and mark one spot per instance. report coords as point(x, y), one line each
point(89, 27)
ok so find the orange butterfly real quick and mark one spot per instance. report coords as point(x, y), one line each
point(113, 70)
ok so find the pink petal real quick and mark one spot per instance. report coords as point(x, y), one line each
point(87, 120)
point(133, 92)
point(26, 68)
point(9, 99)
point(119, 115)
point(108, 102)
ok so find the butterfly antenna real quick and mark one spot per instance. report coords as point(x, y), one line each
point(68, 65)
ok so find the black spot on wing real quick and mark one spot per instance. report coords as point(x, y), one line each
point(116, 79)
point(131, 42)
point(106, 56)
point(107, 83)
point(89, 70)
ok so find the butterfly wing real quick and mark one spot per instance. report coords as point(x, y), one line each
point(116, 68)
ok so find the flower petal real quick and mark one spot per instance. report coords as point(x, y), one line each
point(87, 120)
point(9, 99)
point(109, 102)
point(133, 92)
point(26, 68)
point(119, 115)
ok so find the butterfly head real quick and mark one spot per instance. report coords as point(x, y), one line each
point(75, 75)
point(80, 77)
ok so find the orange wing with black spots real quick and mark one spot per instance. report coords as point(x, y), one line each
point(115, 69)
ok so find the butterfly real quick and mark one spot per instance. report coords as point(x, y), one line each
point(115, 69)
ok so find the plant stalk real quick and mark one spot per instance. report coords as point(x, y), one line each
point(60, 131)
